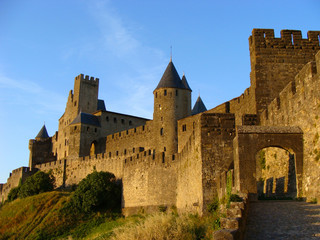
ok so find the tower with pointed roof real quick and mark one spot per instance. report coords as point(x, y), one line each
point(172, 101)
point(40, 148)
point(198, 107)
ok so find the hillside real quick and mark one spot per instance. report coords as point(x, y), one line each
point(41, 217)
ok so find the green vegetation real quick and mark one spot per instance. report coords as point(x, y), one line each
point(42, 217)
point(65, 215)
point(167, 226)
point(214, 205)
point(38, 183)
point(98, 190)
point(262, 159)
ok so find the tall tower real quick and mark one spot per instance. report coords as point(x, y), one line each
point(83, 99)
point(172, 101)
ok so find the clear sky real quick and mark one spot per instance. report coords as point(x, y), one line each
point(125, 43)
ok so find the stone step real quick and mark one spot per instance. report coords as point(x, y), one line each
point(234, 213)
point(230, 223)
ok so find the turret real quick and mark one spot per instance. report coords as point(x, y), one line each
point(40, 148)
point(172, 101)
point(198, 107)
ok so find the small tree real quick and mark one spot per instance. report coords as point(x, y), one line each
point(97, 190)
point(38, 183)
point(13, 194)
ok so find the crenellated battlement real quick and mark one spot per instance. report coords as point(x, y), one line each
point(301, 90)
point(86, 78)
point(264, 38)
point(128, 133)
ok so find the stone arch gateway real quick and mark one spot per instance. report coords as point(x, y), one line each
point(250, 140)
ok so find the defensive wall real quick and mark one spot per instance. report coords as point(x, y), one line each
point(184, 162)
point(274, 63)
point(299, 104)
point(16, 176)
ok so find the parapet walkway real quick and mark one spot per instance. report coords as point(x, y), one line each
point(283, 220)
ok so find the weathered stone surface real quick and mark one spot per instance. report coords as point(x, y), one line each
point(179, 160)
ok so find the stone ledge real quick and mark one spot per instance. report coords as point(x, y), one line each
point(268, 129)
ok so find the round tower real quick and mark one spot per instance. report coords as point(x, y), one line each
point(172, 101)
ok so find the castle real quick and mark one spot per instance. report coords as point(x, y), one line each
point(183, 156)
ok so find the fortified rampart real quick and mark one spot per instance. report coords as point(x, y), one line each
point(299, 104)
point(274, 63)
point(182, 158)
point(18, 175)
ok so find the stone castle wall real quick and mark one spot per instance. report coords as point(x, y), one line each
point(298, 104)
point(17, 175)
point(189, 167)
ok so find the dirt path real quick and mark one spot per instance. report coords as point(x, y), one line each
point(283, 220)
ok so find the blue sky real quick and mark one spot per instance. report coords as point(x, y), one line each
point(125, 43)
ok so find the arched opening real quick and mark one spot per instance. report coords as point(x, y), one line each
point(93, 148)
point(276, 173)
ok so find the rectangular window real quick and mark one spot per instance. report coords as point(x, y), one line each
point(165, 92)
point(184, 127)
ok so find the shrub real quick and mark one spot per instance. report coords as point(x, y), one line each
point(214, 205)
point(97, 190)
point(13, 194)
point(235, 198)
point(38, 183)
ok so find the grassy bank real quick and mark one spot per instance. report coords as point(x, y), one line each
point(41, 217)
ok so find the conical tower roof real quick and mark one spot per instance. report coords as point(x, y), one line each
point(185, 82)
point(43, 133)
point(170, 78)
point(199, 107)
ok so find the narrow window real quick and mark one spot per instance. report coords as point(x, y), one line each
point(75, 103)
point(156, 95)
point(95, 130)
point(133, 150)
point(117, 153)
point(109, 154)
point(165, 92)
point(163, 157)
point(75, 128)
point(164, 149)
point(130, 123)
point(88, 129)
point(115, 120)
point(142, 128)
point(292, 42)
point(184, 127)
point(125, 151)
point(161, 131)
point(176, 92)
point(107, 118)
point(173, 157)
point(122, 121)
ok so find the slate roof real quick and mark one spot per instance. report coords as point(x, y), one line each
point(185, 82)
point(199, 107)
point(101, 105)
point(171, 79)
point(43, 133)
point(86, 118)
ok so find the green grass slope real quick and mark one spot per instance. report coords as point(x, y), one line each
point(27, 218)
